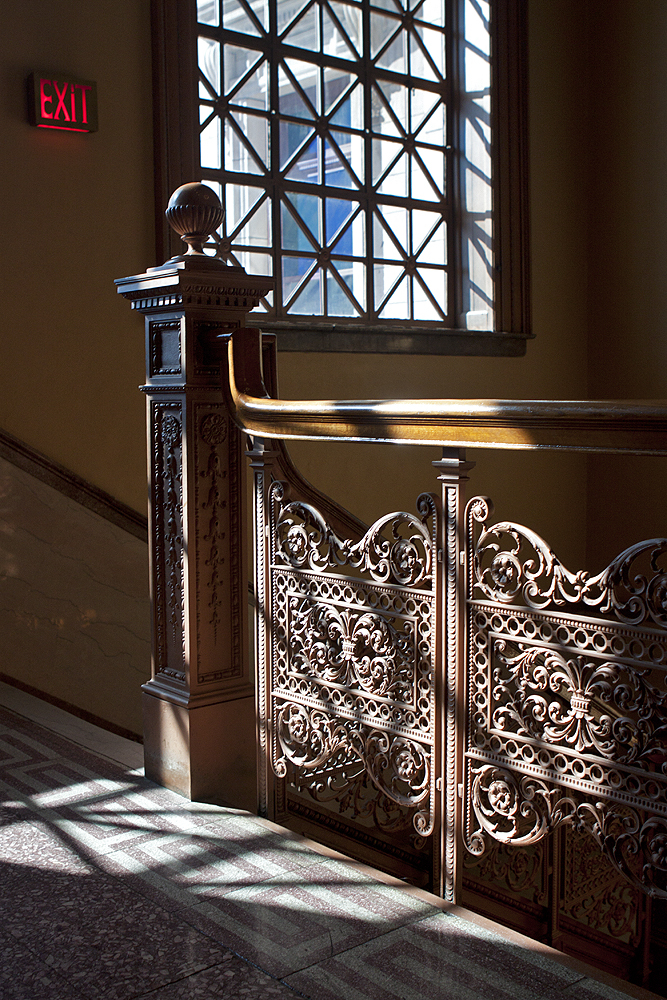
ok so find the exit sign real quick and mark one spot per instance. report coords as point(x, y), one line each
point(62, 102)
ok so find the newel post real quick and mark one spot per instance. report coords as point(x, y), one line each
point(453, 476)
point(198, 707)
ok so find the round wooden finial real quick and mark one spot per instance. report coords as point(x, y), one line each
point(194, 212)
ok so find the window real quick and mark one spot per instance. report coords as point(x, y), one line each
point(369, 155)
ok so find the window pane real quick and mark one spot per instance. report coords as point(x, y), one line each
point(430, 294)
point(237, 63)
point(309, 300)
point(294, 272)
point(247, 17)
point(349, 18)
point(287, 11)
point(254, 93)
point(338, 300)
point(304, 78)
point(352, 239)
point(306, 169)
point(354, 275)
point(240, 201)
point(207, 12)
point(295, 173)
point(305, 33)
point(209, 65)
point(209, 145)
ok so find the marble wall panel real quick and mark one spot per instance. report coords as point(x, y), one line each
point(74, 607)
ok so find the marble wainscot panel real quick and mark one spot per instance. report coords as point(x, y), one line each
point(74, 607)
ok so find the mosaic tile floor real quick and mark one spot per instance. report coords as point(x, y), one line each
point(111, 887)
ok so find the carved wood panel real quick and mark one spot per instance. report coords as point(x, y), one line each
point(167, 527)
point(217, 542)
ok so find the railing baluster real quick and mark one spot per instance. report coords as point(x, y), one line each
point(453, 475)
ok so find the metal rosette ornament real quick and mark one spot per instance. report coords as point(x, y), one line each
point(509, 808)
point(405, 558)
point(307, 738)
point(401, 769)
point(304, 539)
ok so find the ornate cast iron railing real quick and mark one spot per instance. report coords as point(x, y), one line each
point(566, 719)
point(543, 694)
point(435, 693)
point(352, 712)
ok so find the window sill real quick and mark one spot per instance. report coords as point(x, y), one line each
point(391, 340)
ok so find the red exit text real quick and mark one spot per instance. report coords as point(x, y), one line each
point(62, 102)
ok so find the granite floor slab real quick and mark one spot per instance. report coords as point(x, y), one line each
point(114, 888)
point(301, 918)
point(444, 956)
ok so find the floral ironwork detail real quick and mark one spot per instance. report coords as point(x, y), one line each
point(567, 711)
point(307, 738)
point(304, 539)
point(352, 648)
point(173, 535)
point(510, 808)
point(353, 656)
point(520, 809)
point(582, 703)
point(346, 783)
point(406, 556)
point(397, 548)
point(518, 870)
point(593, 892)
point(511, 562)
point(213, 430)
point(399, 767)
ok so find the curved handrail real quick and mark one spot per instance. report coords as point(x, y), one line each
point(614, 426)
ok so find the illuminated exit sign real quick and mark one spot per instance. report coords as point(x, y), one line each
point(62, 102)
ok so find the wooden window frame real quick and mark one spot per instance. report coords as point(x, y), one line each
point(176, 162)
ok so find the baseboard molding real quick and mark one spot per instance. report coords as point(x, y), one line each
point(75, 612)
point(72, 486)
point(80, 713)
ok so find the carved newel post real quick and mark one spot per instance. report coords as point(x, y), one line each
point(199, 715)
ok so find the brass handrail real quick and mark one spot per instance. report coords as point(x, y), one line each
point(612, 426)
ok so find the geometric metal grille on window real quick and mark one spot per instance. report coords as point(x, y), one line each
point(326, 123)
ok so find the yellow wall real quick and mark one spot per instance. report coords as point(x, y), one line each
point(627, 253)
point(545, 490)
point(76, 211)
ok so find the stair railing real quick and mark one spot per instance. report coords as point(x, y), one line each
point(429, 689)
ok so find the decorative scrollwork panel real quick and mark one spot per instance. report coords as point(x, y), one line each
point(304, 540)
point(353, 645)
point(399, 768)
point(592, 895)
point(512, 564)
point(566, 720)
point(167, 506)
point(353, 648)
